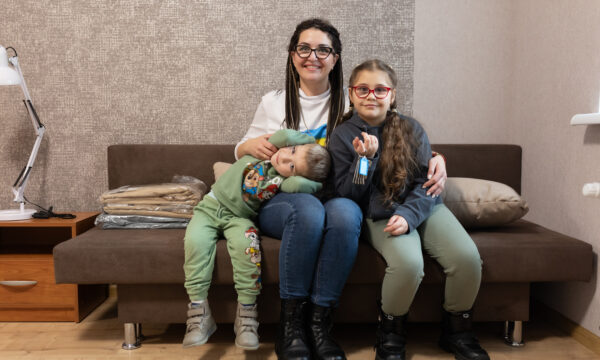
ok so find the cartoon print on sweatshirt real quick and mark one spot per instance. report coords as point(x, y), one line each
point(254, 251)
point(253, 174)
point(268, 192)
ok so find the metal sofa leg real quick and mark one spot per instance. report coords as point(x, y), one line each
point(513, 333)
point(138, 333)
point(132, 339)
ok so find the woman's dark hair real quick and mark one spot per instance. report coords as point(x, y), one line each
point(336, 77)
point(399, 146)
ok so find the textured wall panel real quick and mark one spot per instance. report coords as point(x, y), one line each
point(175, 71)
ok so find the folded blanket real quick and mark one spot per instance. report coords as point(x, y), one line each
point(151, 213)
point(176, 208)
point(167, 191)
point(150, 201)
point(175, 199)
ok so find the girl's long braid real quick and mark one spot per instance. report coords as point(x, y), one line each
point(398, 161)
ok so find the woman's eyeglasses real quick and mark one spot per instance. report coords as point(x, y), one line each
point(362, 91)
point(321, 52)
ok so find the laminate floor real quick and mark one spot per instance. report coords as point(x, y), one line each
point(100, 336)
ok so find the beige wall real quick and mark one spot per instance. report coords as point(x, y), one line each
point(557, 75)
point(463, 62)
point(515, 72)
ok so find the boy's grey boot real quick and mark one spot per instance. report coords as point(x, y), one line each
point(246, 327)
point(200, 325)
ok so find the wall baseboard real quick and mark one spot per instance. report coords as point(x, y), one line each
point(561, 322)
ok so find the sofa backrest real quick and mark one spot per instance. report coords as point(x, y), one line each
point(139, 164)
point(501, 163)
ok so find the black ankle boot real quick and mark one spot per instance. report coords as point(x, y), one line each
point(323, 347)
point(458, 338)
point(391, 337)
point(291, 339)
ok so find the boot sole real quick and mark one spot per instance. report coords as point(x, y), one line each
point(203, 341)
point(448, 349)
point(244, 347)
point(247, 347)
point(377, 357)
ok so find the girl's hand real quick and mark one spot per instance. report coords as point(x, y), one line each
point(368, 147)
point(437, 176)
point(259, 147)
point(396, 226)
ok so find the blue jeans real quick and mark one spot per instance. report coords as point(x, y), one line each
point(318, 244)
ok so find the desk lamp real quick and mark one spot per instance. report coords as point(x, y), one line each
point(14, 76)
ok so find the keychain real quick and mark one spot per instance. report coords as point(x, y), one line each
point(362, 168)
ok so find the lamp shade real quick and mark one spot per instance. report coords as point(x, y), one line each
point(8, 76)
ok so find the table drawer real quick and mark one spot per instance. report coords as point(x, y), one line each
point(28, 281)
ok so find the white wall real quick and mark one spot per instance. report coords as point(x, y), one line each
point(515, 71)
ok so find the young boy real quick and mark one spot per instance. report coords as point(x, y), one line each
point(298, 166)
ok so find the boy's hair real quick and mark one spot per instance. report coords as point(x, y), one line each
point(336, 77)
point(398, 162)
point(318, 161)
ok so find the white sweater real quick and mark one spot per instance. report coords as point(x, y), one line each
point(270, 115)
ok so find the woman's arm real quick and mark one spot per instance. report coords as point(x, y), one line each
point(259, 147)
point(255, 142)
point(437, 175)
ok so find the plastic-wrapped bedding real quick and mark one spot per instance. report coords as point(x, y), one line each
point(109, 221)
point(176, 199)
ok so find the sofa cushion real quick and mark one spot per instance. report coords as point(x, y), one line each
point(219, 168)
point(518, 252)
point(480, 203)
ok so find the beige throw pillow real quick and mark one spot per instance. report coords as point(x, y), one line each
point(219, 169)
point(479, 203)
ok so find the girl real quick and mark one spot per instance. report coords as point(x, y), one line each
point(386, 181)
point(319, 237)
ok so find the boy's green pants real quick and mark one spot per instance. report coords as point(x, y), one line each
point(211, 220)
point(442, 237)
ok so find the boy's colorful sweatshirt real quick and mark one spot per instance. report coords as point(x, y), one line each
point(250, 181)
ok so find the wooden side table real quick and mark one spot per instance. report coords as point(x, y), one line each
point(28, 291)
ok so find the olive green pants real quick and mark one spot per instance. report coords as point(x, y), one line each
point(211, 220)
point(442, 237)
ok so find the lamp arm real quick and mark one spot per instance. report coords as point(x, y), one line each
point(14, 60)
point(21, 182)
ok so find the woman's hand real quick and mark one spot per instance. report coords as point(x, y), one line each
point(368, 147)
point(396, 226)
point(259, 147)
point(437, 176)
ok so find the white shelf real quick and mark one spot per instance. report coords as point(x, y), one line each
point(586, 119)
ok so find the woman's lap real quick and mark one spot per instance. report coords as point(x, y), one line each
point(318, 246)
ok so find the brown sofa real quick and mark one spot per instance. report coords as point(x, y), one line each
point(146, 265)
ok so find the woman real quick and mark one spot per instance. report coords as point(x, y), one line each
point(319, 239)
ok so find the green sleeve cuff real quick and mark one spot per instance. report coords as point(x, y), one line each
point(299, 184)
point(289, 137)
